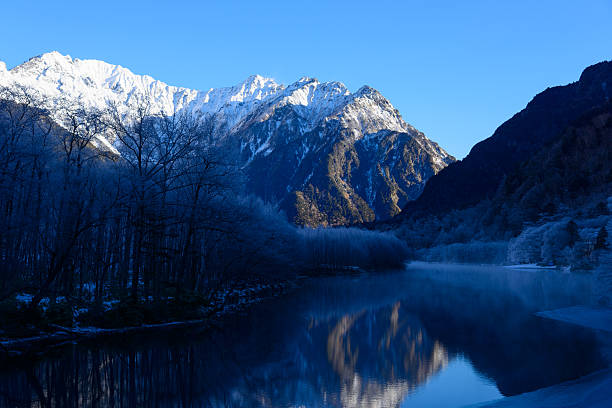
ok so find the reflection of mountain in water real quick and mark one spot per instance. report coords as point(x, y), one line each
point(380, 357)
point(368, 358)
point(365, 341)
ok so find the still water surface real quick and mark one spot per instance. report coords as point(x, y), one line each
point(429, 336)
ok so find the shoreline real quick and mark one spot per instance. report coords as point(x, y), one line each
point(591, 390)
point(39, 346)
point(570, 393)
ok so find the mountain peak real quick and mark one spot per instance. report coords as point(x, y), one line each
point(257, 80)
point(306, 79)
point(367, 90)
point(49, 59)
point(255, 87)
point(54, 56)
point(601, 69)
point(595, 80)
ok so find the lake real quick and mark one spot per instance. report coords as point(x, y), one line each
point(427, 336)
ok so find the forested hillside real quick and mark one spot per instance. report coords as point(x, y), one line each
point(551, 207)
point(480, 173)
point(159, 230)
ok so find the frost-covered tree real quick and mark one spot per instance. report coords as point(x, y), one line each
point(601, 242)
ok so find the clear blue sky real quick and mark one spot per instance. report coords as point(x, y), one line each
point(454, 69)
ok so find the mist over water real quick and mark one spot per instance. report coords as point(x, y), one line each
point(405, 338)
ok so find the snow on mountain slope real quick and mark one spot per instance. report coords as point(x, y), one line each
point(97, 82)
point(286, 138)
point(94, 83)
point(351, 161)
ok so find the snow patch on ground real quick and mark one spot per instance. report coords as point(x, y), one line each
point(591, 391)
point(586, 316)
point(530, 266)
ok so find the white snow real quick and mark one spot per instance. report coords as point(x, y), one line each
point(529, 266)
point(228, 110)
point(599, 318)
point(591, 391)
point(24, 298)
point(95, 82)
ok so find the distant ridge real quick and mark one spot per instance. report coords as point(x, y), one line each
point(478, 175)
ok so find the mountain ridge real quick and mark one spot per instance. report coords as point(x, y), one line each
point(477, 176)
point(287, 138)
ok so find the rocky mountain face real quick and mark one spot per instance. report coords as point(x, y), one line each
point(537, 191)
point(360, 162)
point(478, 176)
point(325, 155)
point(574, 170)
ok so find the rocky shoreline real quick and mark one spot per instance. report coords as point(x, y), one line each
point(224, 303)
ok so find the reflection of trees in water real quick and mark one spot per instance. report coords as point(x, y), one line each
point(485, 314)
point(105, 378)
point(340, 343)
point(368, 358)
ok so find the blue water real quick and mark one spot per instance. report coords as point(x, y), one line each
point(428, 336)
point(457, 385)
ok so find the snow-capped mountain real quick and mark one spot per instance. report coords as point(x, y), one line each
point(327, 155)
